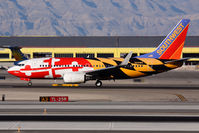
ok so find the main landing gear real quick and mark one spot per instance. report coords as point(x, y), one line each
point(29, 83)
point(98, 83)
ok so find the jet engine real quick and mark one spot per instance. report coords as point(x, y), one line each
point(74, 78)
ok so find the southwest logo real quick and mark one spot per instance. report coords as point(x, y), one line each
point(170, 39)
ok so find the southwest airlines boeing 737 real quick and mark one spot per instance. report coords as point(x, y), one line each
point(167, 56)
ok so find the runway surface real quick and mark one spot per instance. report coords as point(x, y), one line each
point(168, 87)
point(99, 117)
point(100, 108)
point(163, 103)
point(99, 127)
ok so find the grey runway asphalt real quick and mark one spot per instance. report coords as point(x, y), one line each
point(99, 127)
point(110, 93)
point(100, 109)
point(92, 131)
point(170, 94)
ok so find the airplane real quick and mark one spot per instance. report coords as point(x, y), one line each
point(167, 56)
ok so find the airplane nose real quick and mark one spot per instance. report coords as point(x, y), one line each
point(13, 70)
point(10, 69)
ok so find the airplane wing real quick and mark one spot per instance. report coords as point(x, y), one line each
point(109, 71)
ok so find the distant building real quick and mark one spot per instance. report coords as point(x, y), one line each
point(90, 47)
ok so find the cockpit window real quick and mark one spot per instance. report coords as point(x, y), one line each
point(20, 64)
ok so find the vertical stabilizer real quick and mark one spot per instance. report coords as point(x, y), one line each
point(171, 47)
point(16, 52)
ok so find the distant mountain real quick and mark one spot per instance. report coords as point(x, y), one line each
point(95, 17)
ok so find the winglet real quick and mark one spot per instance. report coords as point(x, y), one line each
point(126, 59)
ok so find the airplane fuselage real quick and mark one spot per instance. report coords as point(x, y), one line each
point(53, 68)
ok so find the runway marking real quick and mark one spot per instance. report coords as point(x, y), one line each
point(181, 97)
point(67, 85)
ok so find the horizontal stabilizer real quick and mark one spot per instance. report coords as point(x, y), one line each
point(180, 60)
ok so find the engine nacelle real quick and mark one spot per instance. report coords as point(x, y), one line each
point(74, 78)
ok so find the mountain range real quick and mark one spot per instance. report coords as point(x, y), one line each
point(95, 17)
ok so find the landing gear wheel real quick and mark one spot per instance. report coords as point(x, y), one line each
point(98, 83)
point(29, 84)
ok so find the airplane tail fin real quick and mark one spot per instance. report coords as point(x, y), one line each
point(171, 47)
point(16, 52)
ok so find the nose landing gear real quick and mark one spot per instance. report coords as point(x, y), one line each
point(98, 83)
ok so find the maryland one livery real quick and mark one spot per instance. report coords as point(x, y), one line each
point(167, 56)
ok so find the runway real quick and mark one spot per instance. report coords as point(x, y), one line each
point(100, 127)
point(162, 103)
point(100, 108)
point(166, 87)
point(99, 117)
